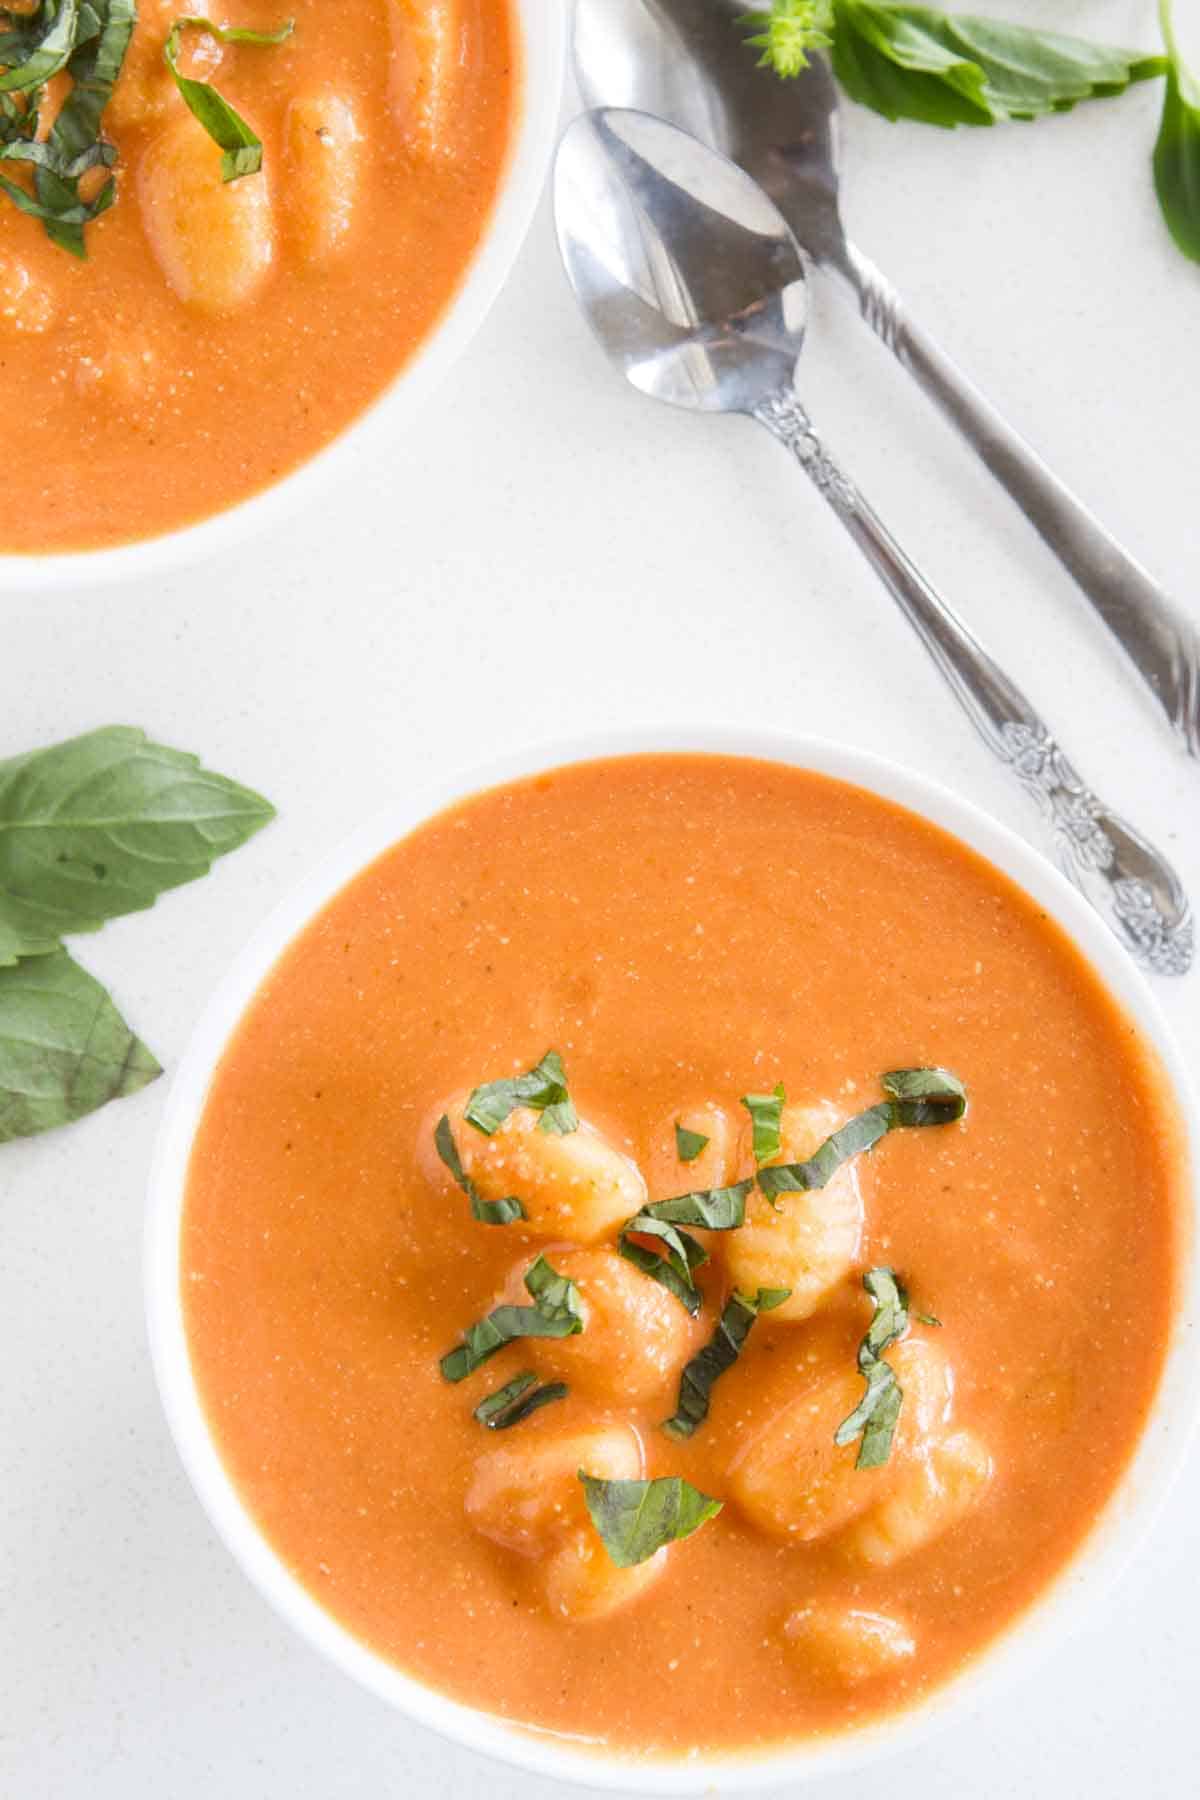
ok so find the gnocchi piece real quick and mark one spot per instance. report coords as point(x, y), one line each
point(528, 1498)
point(26, 305)
point(119, 375)
point(715, 1166)
point(636, 1336)
point(214, 240)
point(429, 58)
point(146, 94)
point(935, 1491)
point(577, 1186)
point(846, 1645)
point(324, 165)
point(795, 1482)
point(811, 1242)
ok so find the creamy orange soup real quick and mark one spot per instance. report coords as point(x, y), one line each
point(220, 333)
point(683, 931)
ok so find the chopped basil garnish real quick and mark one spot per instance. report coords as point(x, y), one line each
point(557, 1312)
point(711, 1209)
point(636, 1518)
point(514, 1402)
point(543, 1089)
point(688, 1144)
point(917, 1097)
point(241, 144)
point(874, 1418)
point(766, 1112)
point(719, 1354)
point(488, 1212)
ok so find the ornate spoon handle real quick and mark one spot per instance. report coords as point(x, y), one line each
point(1123, 876)
point(1160, 641)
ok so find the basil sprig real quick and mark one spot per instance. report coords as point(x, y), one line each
point(90, 830)
point(488, 1212)
point(226, 127)
point(918, 1097)
point(1177, 151)
point(557, 1312)
point(688, 1144)
point(514, 1401)
point(675, 1264)
point(766, 1116)
point(635, 1519)
point(89, 39)
point(875, 1417)
point(543, 1089)
point(718, 1355)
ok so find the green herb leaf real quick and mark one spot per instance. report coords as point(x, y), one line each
point(635, 1519)
point(52, 52)
point(919, 1097)
point(766, 1114)
point(875, 1417)
point(688, 1144)
point(709, 1209)
point(914, 62)
point(64, 1048)
point(543, 1089)
point(514, 1402)
point(488, 1212)
point(719, 1354)
point(557, 1312)
point(101, 825)
point(241, 144)
point(1177, 151)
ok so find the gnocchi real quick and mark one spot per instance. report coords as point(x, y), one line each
point(323, 172)
point(214, 240)
point(933, 1492)
point(146, 94)
point(847, 1644)
point(810, 1243)
point(429, 53)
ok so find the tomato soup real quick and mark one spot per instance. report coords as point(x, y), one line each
point(221, 331)
point(501, 1417)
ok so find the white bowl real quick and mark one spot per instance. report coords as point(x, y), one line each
point(1076, 1590)
point(542, 26)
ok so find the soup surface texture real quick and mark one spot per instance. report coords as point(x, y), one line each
point(683, 930)
point(220, 333)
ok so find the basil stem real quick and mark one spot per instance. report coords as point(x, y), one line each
point(543, 1089)
point(918, 1097)
point(557, 1312)
point(710, 1209)
point(514, 1402)
point(688, 1144)
point(488, 1212)
point(226, 127)
point(766, 1116)
point(635, 1519)
point(719, 1354)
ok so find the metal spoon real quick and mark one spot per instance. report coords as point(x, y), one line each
point(695, 287)
point(683, 61)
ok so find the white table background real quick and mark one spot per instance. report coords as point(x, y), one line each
point(551, 554)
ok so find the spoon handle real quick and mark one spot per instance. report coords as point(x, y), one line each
point(1160, 641)
point(1123, 876)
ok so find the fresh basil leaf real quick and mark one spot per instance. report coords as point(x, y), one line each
point(914, 62)
point(52, 53)
point(674, 1269)
point(106, 27)
point(514, 1402)
point(64, 1048)
point(719, 1354)
point(557, 1312)
point(766, 1114)
point(875, 1417)
point(1177, 150)
point(635, 1519)
point(688, 1144)
point(708, 1209)
point(101, 825)
point(488, 1212)
point(227, 128)
point(918, 1097)
point(543, 1089)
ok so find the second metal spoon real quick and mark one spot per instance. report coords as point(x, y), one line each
point(693, 283)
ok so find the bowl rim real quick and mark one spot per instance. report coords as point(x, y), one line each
point(542, 53)
point(1070, 1598)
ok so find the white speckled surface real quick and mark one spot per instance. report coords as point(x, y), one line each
point(550, 555)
